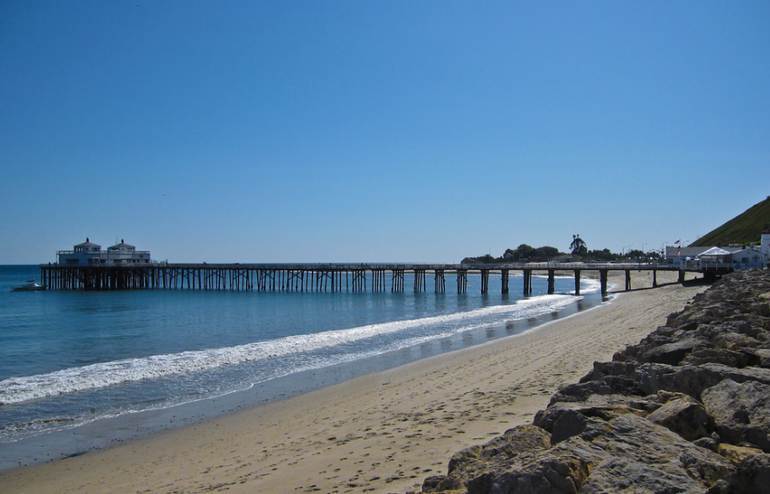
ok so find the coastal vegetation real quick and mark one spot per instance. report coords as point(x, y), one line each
point(745, 228)
point(545, 253)
point(578, 246)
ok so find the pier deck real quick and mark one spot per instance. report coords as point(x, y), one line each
point(335, 277)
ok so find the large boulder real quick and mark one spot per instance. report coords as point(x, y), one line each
point(521, 439)
point(561, 469)
point(563, 423)
point(625, 453)
point(685, 416)
point(606, 385)
point(737, 454)
point(722, 356)
point(499, 453)
point(670, 353)
point(614, 368)
point(651, 458)
point(693, 379)
point(762, 355)
point(752, 476)
point(741, 411)
point(731, 340)
point(569, 418)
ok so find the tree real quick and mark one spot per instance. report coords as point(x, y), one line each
point(486, 258)
point(545, 253)
point(526, 252)
point(601, 255)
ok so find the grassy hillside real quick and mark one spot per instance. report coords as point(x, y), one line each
point(744, 228)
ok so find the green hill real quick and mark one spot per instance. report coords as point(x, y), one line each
point(743, 229)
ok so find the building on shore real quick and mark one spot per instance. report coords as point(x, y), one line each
point(736, 256)
point(91, 254)
point(764, 243)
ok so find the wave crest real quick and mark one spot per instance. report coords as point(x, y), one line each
point(104, 374)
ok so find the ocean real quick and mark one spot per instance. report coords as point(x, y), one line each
point(80, 370)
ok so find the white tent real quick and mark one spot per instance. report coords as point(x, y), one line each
point(714, 252)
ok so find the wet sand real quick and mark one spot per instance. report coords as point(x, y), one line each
point(382, 432)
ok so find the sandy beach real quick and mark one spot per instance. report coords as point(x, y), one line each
point(383, 432)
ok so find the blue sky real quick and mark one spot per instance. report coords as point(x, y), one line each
point(377, 131)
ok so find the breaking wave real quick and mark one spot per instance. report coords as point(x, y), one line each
point(104, 374)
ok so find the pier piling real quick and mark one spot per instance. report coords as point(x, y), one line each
point(484, 281)
point(462, 280)
point(577, 282)
point(551, 281)
point(527, 282)
point(504, 281)
point(603, 281)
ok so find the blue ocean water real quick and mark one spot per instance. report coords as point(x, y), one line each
point(69, 358)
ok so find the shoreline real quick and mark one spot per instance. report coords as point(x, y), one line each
point(683, 410)
point(350, 442)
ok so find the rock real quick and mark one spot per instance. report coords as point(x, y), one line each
point(615, 368)
point(762, 355)
point(607, 385)
point(722, 356)
point(693, 379)
point(625, 453)
point(760, 308)
point(637, 440)
point(562, 422)
point(608, 406)
point(499, 453)
point(741, 411)
point(521, 439)
point(751, 477)
point(581, 391)
point(685, 416)
point(746, 325)
point(708, 443)
point(737, 454)
point(670, 353)
point(442, 483)
point(563, 468)
point(734, 341)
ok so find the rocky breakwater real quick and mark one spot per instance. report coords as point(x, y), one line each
point(685, 410)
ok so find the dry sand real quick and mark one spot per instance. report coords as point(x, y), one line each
point(383, 432)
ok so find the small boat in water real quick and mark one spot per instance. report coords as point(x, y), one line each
point(29, 286)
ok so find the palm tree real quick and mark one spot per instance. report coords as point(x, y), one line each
point(577, 246)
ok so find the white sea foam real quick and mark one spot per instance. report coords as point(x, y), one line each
point(589, 285)
point(14, 432)
point(100, 375)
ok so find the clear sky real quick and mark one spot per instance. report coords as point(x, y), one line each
point(377, 131)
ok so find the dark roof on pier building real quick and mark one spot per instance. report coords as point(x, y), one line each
point(87, 246)
point(122, 246)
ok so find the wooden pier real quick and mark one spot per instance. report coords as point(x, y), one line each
point(355, 278)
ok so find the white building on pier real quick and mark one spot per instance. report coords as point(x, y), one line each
point(91, 254)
